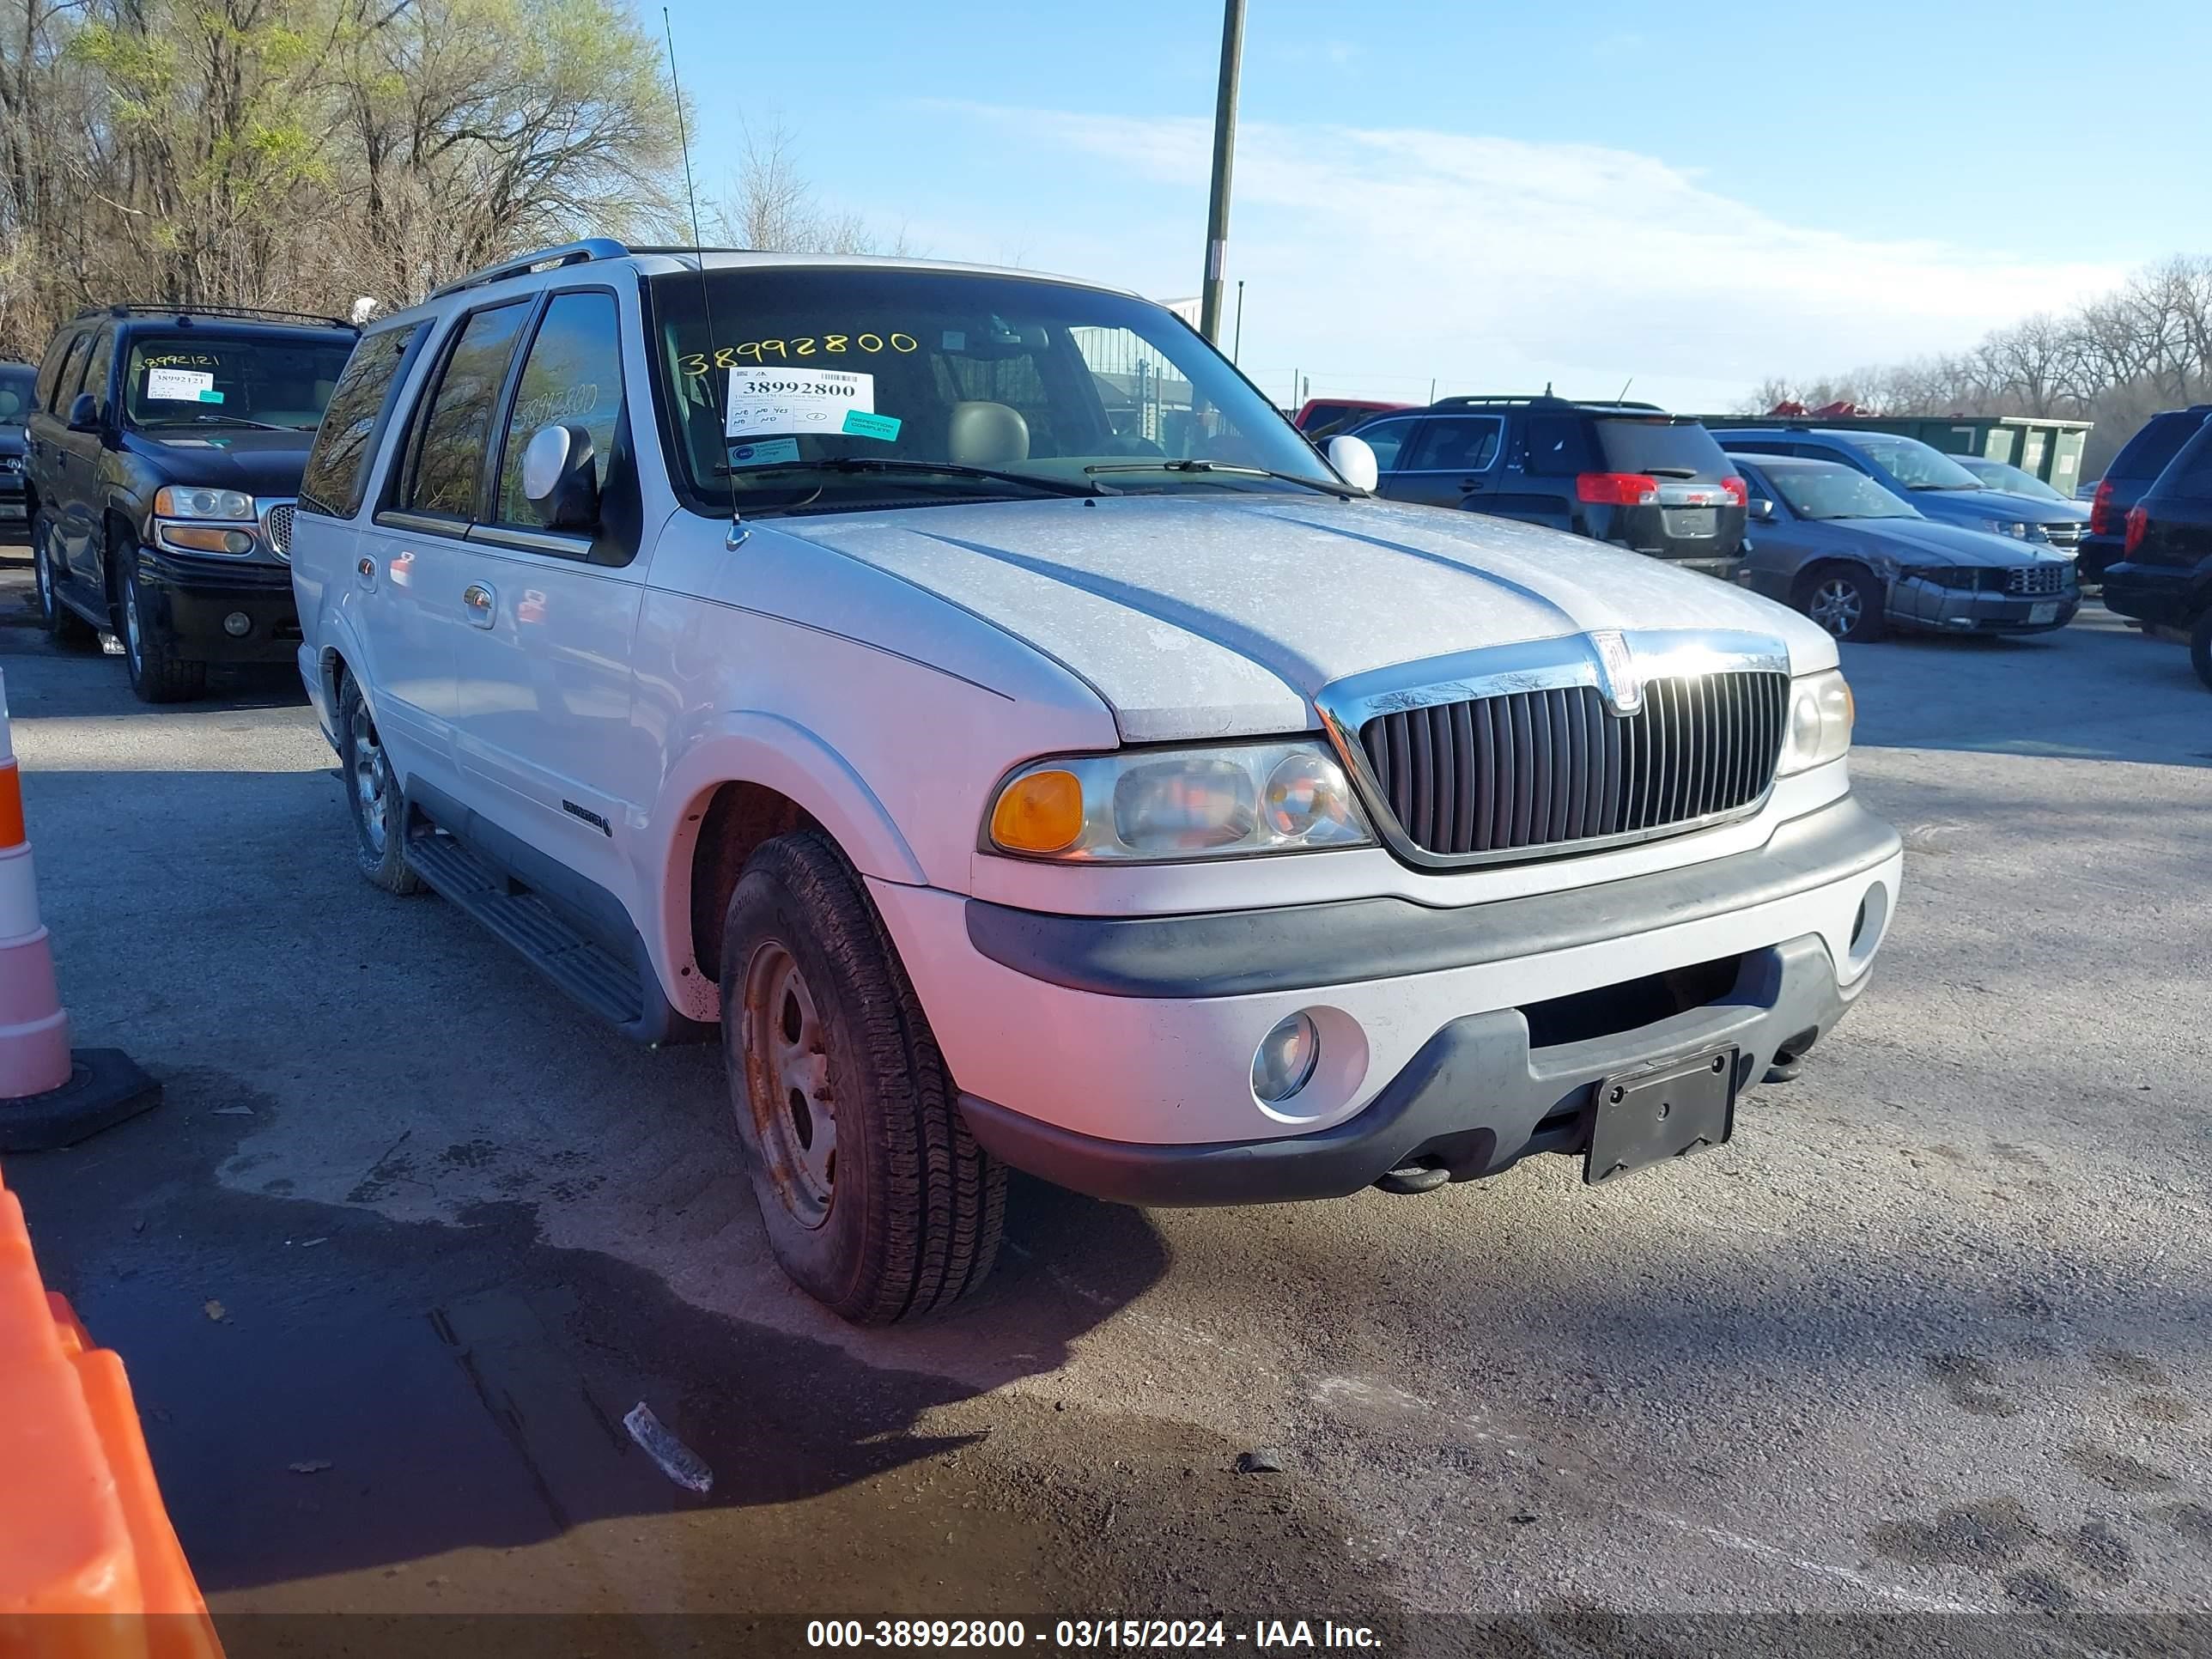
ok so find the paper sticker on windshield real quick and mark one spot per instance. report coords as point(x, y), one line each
point(182, 385)
point(767, 452)
point(858, 425)
point(795, 401)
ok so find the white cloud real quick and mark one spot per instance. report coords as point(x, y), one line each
point(1376, 257)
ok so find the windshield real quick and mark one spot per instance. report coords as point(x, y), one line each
point(1837, 492)
point(1913, 464)
point(2002, 475)
point(197, 379)
point(16, 381)
point(840, 388)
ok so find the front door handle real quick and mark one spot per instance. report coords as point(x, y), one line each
point(481, 603)
point(1470, 485)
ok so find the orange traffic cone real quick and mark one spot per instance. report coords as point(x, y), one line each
point(49, 1095)
point(90, 1564)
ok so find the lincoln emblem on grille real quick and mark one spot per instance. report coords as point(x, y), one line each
point(1619, 682)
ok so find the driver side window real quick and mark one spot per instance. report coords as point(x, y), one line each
point(572, 377)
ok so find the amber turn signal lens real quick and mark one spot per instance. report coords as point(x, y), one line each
point(1040, 813)
point(207, 539)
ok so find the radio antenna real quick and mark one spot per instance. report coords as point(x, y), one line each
point(738, 531)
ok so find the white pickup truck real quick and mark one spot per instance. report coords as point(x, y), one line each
point(965, 690)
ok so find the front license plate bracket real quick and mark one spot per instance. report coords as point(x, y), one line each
point(1665, 1111)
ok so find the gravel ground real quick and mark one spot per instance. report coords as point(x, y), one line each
point(1930, 1335)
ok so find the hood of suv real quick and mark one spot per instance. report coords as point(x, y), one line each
point(1926, 541)
point(237, 458)
point(1968, 507)
point(1201, 618)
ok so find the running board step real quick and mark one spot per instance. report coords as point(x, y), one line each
point(582, 967)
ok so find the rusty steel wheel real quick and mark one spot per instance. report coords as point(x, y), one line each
point(875, 1197)
point(787, 1084)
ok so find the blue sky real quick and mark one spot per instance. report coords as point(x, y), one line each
point(1495, 195)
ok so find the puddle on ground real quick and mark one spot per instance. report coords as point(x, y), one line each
point(400, 1416)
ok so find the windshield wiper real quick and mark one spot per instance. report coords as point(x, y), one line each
point(240, 420)
point(944, 469)
point(1230, 467)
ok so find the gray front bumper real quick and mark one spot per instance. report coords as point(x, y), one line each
point(1952, 610)
point(1475, 1099)
point(1478, 1096)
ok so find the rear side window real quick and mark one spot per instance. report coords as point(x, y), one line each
point(1680, 449)
point(455, 431)
point(2145, 455)
point(338, 467)
point(1457, 443)
point(573, 377)
point(1557, 446)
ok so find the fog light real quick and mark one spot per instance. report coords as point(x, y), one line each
point(1284, 1060)
point(237, 624)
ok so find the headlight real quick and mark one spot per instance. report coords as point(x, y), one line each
point(184, 501)
point(1178, 804)
point(1965, 576)
point(1820, 729)
point(2013, 527)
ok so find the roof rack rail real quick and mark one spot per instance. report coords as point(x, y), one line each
point(568, 253)
point(244, 314)
point(1539, 400)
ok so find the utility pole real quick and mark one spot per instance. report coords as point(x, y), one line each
point(1237, 347)
point(1224, 148)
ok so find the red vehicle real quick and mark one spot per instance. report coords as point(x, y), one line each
point(1322, 418)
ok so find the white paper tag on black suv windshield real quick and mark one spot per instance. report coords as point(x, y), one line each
point(795, 401)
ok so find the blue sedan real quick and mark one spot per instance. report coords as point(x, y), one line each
point(1831, 542)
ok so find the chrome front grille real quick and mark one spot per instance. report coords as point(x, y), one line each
point(2036, 579)
point(1539, 771)
point(2065, 533)
point(276, 526)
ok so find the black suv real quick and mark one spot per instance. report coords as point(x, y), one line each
point(16, 383)
point(2164, 576)
point(2141, 459)
point(1630, 474)
point(164, 450)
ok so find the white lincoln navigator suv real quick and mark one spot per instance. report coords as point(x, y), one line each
point(968, 692)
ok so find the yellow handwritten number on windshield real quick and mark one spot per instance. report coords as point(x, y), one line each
point(804, 345)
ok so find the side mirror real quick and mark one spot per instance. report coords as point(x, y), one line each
point(84, 413)
point(1354, 461)
point(558, 480)
point(1762, 510)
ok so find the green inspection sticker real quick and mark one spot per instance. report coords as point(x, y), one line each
point(209, 395)
point(859, 424)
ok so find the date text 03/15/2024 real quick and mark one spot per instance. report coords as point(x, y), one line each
point(1082, 1634)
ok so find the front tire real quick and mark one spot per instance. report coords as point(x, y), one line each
point(374, 797)
point(149, 650)
point(1847, 600)
point(877, 1200)
point(2200, 647)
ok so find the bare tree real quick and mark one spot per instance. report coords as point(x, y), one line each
point(2114, 360)
point(769, 205)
